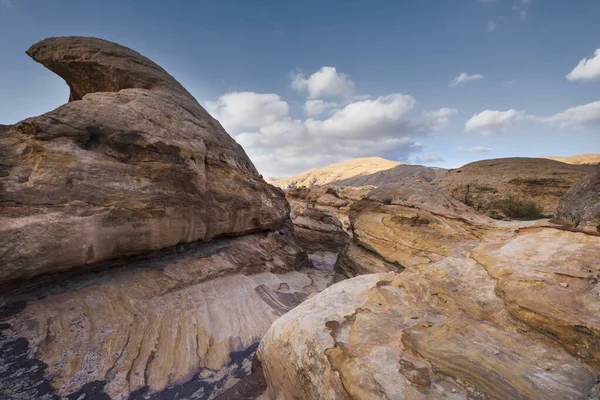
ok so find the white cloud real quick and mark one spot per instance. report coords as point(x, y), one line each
point(575, 117)
point(489, 122)
point(248, 109)
point(312, 108)
point(587, 69)
point(510, 82)
point(325, 82)
point(492, 25)
point(475, 149)
point(279, 145)
point(464, 77)
point(361, 119)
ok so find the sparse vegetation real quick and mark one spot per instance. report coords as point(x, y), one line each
point(387, 200)
point(513, 207)
point(498, 217)
point(598, 228)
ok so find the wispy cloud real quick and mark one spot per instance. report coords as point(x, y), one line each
point(464, 77)
point(492, 25)
point(475, 149)
point(6, 3)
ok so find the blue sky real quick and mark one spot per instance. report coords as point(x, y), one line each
point(304, 84)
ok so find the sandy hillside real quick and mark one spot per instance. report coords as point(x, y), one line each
point(336, 172)
point(578, 159)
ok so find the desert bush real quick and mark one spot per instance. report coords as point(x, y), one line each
point(513, 207)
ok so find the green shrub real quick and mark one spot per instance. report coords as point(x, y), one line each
point(498, 217)
point(513, 207)
point(387, 200)
point(598, 228)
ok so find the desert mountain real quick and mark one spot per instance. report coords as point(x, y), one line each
point(578, 159)
point(336, 172)
point(370, 171)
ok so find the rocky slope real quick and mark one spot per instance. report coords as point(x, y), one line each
point(141, 254)
point(470, 308)
point(578, 159)
point(483, 184)
point(336, 172)
point(400, 173)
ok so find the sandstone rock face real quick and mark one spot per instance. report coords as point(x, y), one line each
point(581, 204)
point(141, 254)
point(131, 164)
point(483, 183)
point(408, 224)
point(185, 321)
point(321, 234)
point(484, 309)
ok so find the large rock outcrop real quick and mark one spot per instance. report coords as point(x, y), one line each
point(141, 254)
point(581, 204)
point(131, 164)
point(483, 184)
point(483, 310)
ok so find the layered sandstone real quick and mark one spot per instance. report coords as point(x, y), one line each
point(482, 309)
point(141, 254)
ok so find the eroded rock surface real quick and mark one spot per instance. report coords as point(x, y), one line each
point(483, 184)
point(484, 309)
point(131, 164)
point(581, 204)
point(188, 318)
point(321, 234)
point(141, 254)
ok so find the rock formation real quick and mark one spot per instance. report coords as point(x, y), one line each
point(483, 184)
point(321, 234)
point(484, 309)
point(141, 254)
point(581, 204)
point(131, 164)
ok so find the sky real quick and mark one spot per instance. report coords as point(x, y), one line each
point(305, 84)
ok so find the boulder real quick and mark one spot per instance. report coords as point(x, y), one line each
point(483, 309)
point(581, 204)
point(131, 164)
point(483, 184)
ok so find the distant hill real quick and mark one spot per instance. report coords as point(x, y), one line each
point(336, 172)
point(399, 173)
point(483, 184)
point(578, 159)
